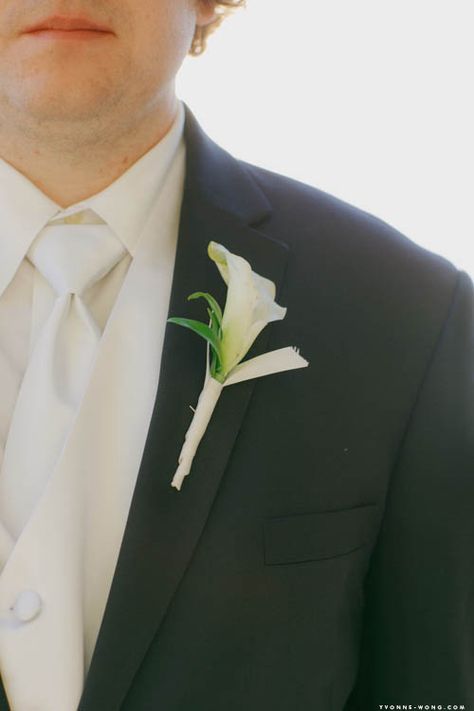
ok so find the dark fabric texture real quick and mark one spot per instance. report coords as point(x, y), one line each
point(320, 554)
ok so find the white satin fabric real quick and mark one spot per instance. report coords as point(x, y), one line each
point(72, 258)
point(57, 574)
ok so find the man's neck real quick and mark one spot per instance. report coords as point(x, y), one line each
point(70, 166)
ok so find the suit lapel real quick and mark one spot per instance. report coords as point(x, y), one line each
point(220, 203)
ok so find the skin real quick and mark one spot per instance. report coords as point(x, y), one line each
point(75, 114)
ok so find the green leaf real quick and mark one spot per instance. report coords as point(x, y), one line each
point(201, 329)
point(210, 300)
point(218, 376)
point(214, 362)
point(214, 323)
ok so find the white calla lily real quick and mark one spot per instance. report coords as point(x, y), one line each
point(250, 305)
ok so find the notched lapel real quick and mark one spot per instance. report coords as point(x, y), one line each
point(164, 525)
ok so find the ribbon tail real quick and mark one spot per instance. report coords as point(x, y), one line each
point(266, 364)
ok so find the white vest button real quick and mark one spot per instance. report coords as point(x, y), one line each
point(27, 606)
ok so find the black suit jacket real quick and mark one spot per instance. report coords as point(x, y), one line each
point(320, 555)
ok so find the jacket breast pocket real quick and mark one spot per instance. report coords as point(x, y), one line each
point(317, 535)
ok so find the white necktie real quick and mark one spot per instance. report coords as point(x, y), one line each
point(72, 257)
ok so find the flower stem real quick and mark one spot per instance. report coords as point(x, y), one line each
point(202, 415)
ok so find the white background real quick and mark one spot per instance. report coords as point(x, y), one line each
point(370, 100)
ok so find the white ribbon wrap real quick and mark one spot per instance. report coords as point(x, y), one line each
point(202, 414)
point(266, 364)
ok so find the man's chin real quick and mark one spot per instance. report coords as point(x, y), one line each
point(56, 103)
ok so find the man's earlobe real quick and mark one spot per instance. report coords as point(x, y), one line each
point(206, 13)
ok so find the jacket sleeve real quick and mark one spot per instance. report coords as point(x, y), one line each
point(417, 642)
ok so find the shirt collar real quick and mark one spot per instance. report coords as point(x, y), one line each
point(24, 210)
point(124, 205)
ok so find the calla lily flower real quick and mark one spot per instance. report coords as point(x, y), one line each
point(250, 305)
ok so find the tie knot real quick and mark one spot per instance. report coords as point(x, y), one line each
point(72, 257)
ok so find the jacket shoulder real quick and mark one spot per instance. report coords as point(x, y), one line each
point(357, 264)
point(315, 221)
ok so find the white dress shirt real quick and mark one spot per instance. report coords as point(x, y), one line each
point(97, 472)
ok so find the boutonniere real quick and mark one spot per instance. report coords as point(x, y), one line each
point(250, 306)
